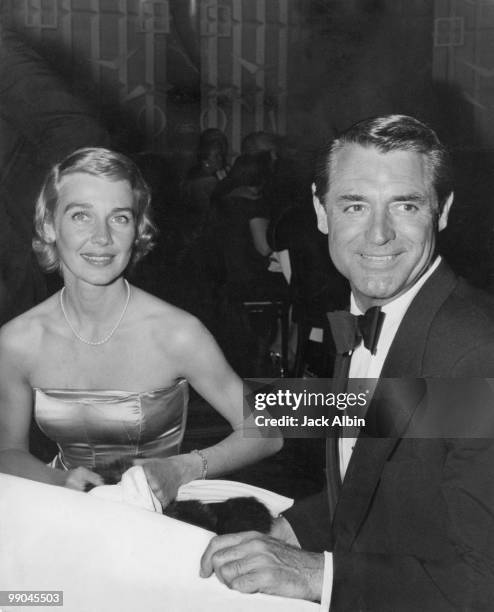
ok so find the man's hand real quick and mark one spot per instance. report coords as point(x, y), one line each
point(251, 562)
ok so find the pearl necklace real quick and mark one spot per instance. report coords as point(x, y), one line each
point(113, 330)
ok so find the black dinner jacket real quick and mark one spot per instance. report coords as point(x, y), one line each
point(414, 524)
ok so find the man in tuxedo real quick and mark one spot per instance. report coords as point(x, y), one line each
point(412, 525)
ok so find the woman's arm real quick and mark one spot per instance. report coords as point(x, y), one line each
point(205, 367)
point(209, 373)
point(16, 400)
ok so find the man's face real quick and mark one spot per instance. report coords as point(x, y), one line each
point(382, 221)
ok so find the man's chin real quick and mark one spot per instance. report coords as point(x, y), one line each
point(375, 294)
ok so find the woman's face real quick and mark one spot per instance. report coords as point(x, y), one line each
point(94, 227)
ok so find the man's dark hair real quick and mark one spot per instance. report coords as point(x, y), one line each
point(391, 133)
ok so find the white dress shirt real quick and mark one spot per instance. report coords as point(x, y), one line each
point(366, 365)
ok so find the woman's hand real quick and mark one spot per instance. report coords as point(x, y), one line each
point(165, 476)
point(82, 479)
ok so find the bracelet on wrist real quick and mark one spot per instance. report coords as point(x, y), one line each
point(204, 462)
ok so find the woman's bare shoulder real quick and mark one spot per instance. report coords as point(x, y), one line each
point(22, 335)
point(167, 321)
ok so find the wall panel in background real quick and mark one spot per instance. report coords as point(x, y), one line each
point(464, 60)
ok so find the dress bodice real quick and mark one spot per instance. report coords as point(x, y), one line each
point(105, 430)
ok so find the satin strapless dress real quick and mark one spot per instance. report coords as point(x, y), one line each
point(105, 430)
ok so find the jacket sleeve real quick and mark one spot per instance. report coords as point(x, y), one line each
point(309, 519)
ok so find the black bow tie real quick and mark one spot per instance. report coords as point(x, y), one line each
point(348, 329)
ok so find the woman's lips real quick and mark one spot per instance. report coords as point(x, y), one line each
point(97, 260)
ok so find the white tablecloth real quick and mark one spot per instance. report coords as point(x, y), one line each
point(110, 557)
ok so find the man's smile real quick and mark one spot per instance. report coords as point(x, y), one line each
point(378, 260)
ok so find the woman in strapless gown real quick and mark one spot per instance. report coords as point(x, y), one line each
point(105, 431)
point(103, 366)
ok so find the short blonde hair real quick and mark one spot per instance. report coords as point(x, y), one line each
point(98, 162)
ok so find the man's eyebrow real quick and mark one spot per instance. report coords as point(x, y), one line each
point(351, 197)
point(415, 196)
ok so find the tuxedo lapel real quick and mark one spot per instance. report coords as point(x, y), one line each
point(405, 358)
point(361, 479)
point(399, 400)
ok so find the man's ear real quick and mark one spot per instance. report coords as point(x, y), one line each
point(443, 217)
point(322, 217)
